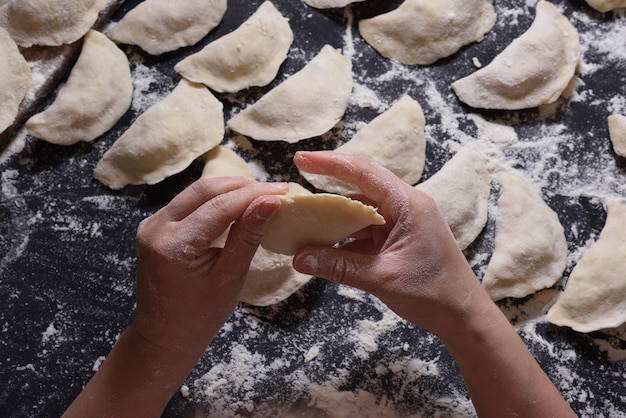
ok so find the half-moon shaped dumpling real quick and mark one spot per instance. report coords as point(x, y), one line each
point(395, 139)
point(307, 104)
point(594, 293)
point(617, 132)
point(329, 4)
point(98, 92)
point(461, 191)
point(606, 5)
point(316, 219)
point(424, 31)
point(223, 162)
point(530, 248)
point(533, 70)
point(15, 80)
point(49, 22)
point(159, 26)
point(249, 56)
point(165, 139)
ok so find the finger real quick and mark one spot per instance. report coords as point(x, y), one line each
point(246, 234)
point(337, 265)
point(199, 192)
point(215, 215)
point(377, 183)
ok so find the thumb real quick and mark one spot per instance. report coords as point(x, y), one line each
point(335, 264)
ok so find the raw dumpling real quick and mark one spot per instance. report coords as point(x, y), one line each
point(594, 293)
point(15, 80)
point(98, 92)
point(530, 248)
point(223, 162)
point(165, 139)
point(316, 219)
point(461, 191)
point(307, 104)
point(329, 4)
point(49, 22)
point(394, 139)
point(424, 31)
point(159, 26)
point(617, 132)
point(606, 5)
point(249, 56)
point(533, 70)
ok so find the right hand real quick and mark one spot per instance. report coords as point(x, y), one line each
point(413, 263)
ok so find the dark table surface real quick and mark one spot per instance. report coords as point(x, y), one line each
point(67, 257)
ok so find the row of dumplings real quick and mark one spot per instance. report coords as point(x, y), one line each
point(189, 122)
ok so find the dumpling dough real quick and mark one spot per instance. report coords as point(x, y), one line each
point(165, 139)
point(249, 56)
point(15, 80)
point(594, 293)
point(606, 5)
point(316, 219)
point(98, 92)
point(329, 4)
point(307, 104)
point(617, 132)
point(49, 22)
point(461, 191)
point(424, 31)
point(394, 139)
point(533, 70)
point(159, 26)
point(223, 162)
point(530, 247)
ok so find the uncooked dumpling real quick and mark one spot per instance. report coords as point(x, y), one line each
point(533, 70)
point(617, 132)
point(165, 139)
point(594, 296)
point(223, 162)
point(395, 139)
point(461, 191)
point(329, 4)
point(307, 104)
point(530, 248)
point(316, 219)
point(49, 22)
point(15, 80)
point(98, 92)
point(424, 31)
point(249, 56)
point(159, 26)
point(606, 5)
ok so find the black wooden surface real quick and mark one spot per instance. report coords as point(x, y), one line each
point(67, 246)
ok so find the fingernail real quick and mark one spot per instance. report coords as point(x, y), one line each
point(268, 208)
point(305, 263)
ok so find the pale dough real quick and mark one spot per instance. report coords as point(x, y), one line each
point(424, 31)
point(307, 104)
point(15, 80)
point(316, 219)
point(49, 22)
point(395, 139)
point(461, 190)
point(329, 4)
point(165, 139)
point(606, 5)
point(159, 26)
point(617, 132)
point(530, 250)
point(594, 296)
point(98, 92)
point(533, 70)
point(249, 56)
point(223, 162)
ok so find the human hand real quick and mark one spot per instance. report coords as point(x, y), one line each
point(187, 289)
point(412, 263)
